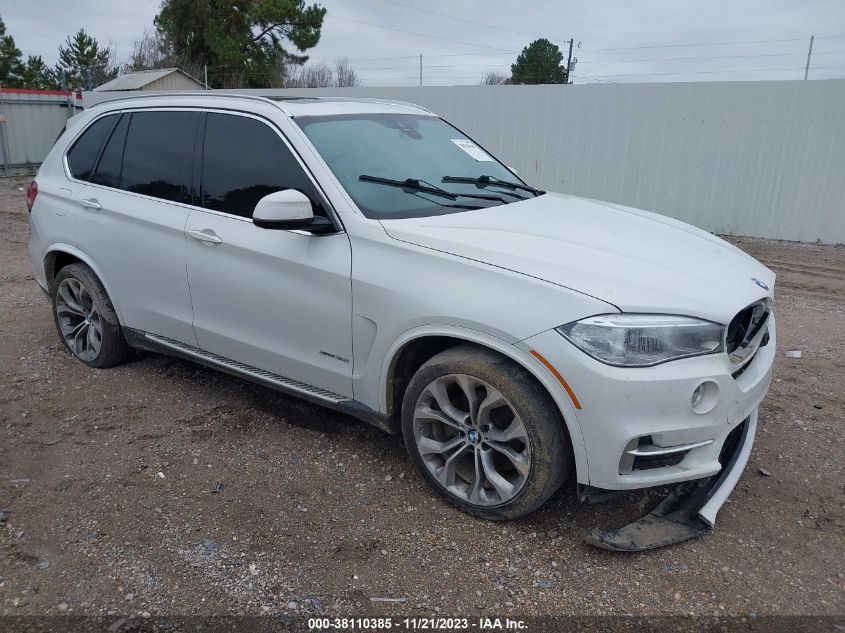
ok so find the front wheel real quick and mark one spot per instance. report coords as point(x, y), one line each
point(484, 434)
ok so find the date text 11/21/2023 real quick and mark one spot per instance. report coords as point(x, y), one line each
point(417, 624)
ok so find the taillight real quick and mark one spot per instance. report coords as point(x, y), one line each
point(31, 192)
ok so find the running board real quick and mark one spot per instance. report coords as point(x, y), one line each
point(247, 371)
point(324, 397)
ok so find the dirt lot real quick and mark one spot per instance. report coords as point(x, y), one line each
point(108, 478)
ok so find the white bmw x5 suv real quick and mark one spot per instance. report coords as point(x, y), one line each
point(368, 256)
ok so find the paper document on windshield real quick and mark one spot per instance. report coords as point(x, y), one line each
point(472, 149)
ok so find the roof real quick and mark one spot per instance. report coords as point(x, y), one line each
point(138, 79)
point(291, 106)
point(322, 106)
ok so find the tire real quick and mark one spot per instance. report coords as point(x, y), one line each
point(85, 318)
point(520, 467)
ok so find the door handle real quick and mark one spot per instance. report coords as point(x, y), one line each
point(206, 235)
point(91, 203)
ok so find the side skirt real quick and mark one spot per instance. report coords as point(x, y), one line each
point(163, 345)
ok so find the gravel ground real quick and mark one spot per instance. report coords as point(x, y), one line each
point(163, 488)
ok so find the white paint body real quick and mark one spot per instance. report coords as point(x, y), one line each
point(503, 277)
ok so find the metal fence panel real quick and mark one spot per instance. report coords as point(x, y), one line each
point(764, 159)
point(33, 122)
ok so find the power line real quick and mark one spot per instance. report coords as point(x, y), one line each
point(673, 59)
point(711, 72)
point(612, 61)
point(434, 37)
point(454, 17)
point(631, 48)
point(604, 81)
point(596, 77)
point(480, 54)
point(592, 61)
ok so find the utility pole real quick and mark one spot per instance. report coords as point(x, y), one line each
point(569, 62)
point(421, 69)
point(205, 73)
point(809, 55)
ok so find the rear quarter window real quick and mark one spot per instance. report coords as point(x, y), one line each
point(84, 152)
point(111, 161)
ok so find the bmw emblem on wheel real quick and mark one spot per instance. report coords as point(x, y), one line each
point(760, 283)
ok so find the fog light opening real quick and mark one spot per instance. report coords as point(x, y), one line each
point(705, 397)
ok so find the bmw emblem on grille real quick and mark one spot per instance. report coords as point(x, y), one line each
point(760, 283)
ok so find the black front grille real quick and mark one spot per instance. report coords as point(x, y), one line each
point(742, 369)
point(738, 328)
point(763, 342)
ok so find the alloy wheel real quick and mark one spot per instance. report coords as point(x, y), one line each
point(471, 439)
point(79, 320)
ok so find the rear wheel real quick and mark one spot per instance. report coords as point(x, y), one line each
point(484, 434)
point(85, 318)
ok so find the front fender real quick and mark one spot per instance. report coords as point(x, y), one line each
point(523, 358)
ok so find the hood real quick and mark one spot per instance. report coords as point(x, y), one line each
point(636, 260)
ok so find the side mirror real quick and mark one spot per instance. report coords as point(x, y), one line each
point(289, 210)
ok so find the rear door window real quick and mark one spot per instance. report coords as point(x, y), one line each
point(81, 157)
point(157, 155)
point(243, 161)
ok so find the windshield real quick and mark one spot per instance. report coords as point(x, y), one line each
point(366, 150)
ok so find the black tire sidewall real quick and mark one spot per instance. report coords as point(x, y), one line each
point(550, 451)
point(113, 349)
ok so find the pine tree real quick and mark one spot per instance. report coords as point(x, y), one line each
point(36, 74)
point(10, 60)
point(243, 42)
point(539, 63)
point(82, 57)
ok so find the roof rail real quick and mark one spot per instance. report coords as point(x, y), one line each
point(276, 100)
point(182, 93)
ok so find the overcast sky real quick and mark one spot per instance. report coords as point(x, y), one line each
point(655, 40)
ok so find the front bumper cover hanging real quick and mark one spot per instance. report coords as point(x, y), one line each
point(690, 509)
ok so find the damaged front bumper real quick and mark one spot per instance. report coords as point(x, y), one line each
point(690, 509)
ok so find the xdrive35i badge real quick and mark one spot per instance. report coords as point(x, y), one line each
point(760, 283)
point(335, 356)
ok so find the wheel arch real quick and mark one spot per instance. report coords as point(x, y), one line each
point(432, 340)
point(59, 255)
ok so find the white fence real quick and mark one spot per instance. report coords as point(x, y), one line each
point(764, 159)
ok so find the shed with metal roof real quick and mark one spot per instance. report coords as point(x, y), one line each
point(152, 80)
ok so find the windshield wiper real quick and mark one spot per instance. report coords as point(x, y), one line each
point(409, 183)
point(492, 180)
point(412, 184)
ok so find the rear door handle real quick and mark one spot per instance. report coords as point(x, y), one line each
point(206, 235)
point(91, 203)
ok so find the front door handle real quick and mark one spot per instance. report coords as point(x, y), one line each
point(206, 235)
point(91, 203)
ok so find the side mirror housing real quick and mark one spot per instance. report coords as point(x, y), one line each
point(289, 210)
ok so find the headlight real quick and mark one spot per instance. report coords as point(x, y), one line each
point(640, 340)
